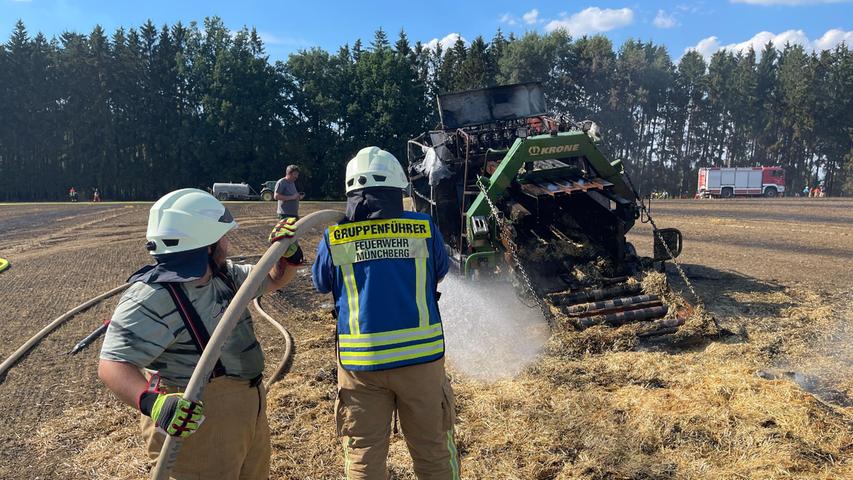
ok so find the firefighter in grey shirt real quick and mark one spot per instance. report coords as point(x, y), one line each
point(287, 195)
point(161, 325)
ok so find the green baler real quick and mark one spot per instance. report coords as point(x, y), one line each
point(515, 190)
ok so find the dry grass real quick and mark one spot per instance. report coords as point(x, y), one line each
point(96, 445)
point(597, 405)
point(593, 407)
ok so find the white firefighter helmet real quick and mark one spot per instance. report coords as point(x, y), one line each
point(374, 167)
point(186, 219)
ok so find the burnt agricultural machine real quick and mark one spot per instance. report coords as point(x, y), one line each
point(515, 189)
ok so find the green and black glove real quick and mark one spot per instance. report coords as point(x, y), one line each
point(286, 229)
point(172, 413)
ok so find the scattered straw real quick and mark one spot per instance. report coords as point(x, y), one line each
point(595, 406)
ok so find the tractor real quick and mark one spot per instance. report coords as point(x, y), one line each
point(268, 190)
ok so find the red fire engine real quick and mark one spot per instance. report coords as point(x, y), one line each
point(741, 182)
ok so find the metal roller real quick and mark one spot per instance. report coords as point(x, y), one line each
point(587, 309)
point(595, 295)
point(621, 318)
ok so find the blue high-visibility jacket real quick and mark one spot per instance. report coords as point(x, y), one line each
point(383, 275)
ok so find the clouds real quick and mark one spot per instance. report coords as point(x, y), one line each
point(785, 2)
point(596, 20)
point(592, 20)
point(273, 39)
point(829, 40)
point(531, 17)
point(833, 38)
point(664, 20)
point(509, 20)
point(446, 42)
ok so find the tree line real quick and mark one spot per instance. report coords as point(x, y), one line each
point(147, 110)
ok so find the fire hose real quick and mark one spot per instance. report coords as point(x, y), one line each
point(172, 445)
point(276, 376)
point(35, 339)
point(7, 364)
point(238, 304)
point(288, 345)
point(90, 338)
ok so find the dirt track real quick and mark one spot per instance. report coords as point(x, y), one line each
point(793, 241)
point(752, 261)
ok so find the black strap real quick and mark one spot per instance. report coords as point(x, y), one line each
point(434, 265)
point(223, 275)
point(193, 323)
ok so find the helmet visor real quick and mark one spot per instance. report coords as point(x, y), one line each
point(226, 217)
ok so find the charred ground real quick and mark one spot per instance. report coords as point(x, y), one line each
point(775, 273)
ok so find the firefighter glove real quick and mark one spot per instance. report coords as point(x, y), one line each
point(172, 413)
point(293, 255)
point(283, 229)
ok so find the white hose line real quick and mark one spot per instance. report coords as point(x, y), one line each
point(9, 362)
point(172, 445)
point(288, 344)
point(288, 339)
point(53, 325)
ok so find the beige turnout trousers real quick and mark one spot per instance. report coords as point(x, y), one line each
point(424, 400)
point(232, 443)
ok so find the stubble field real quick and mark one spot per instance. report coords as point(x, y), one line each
point(772, 398)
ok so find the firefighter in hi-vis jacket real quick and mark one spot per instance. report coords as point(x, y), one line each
point(382, 265)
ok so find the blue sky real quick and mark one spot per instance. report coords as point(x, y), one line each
point(288, 26)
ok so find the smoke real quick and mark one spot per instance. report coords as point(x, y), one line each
point(490, 334)
point(821, 365)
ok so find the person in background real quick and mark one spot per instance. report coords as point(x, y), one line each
point(96, 196)
point(72, 194)
point(287, 195)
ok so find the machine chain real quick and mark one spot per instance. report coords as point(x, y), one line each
point(513, 250)
point(672, 258)
point(665, 246)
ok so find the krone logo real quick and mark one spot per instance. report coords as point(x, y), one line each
point(535, 150)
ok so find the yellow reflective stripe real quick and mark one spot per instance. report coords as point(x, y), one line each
point(454, 455)
point(352, 297)
point(347, 462)
point(389, 339)
point(420, 291)
point(375, 353)
point(345, 336)
point(391, 360)
point(384, 358)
